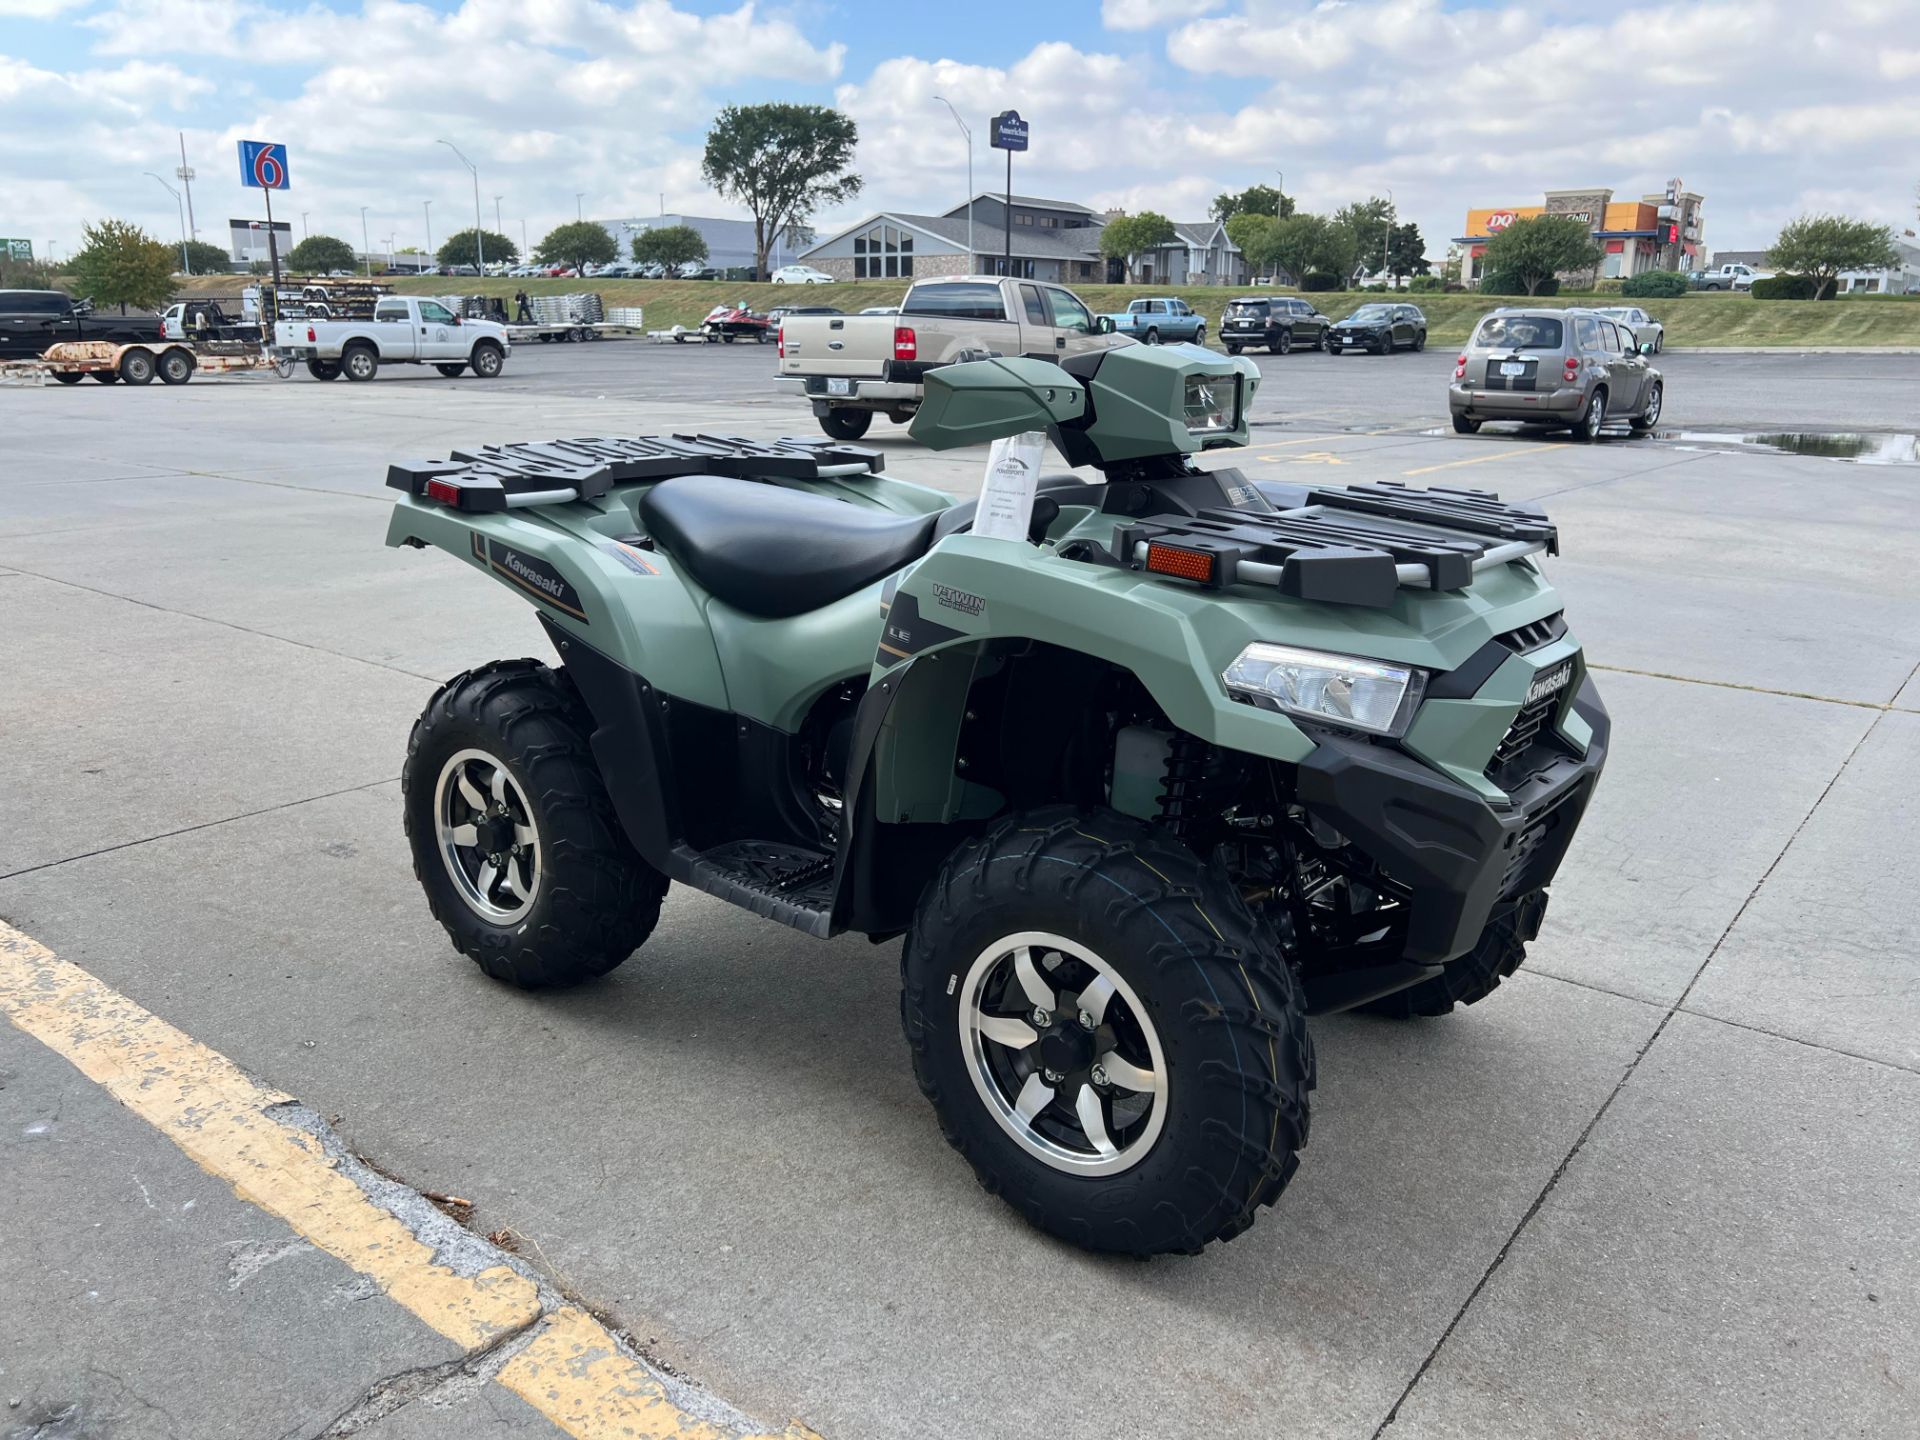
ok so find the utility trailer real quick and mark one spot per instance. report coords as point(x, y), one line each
point(173, 362)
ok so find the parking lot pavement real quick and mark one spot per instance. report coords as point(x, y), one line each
point(1647, 1185)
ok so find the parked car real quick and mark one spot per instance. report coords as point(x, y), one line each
point(881, 310)
point(404, 330)
point(1381, 328)
point(1279, 322)
point(1731, 276)
point(801, 275)
point(781, 312)
point(851, 367)
point(613, 270)
point(1161, 319)
point(31, 320)
point(694, 270)
point(1643, 325)
point(1557, 367)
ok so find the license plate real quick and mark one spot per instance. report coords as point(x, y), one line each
point(1512, 367)
point(839, 387)
point(1550, 682)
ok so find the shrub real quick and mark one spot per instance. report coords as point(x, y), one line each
point(1498, 284)
point(1609, 287)
point(1656, 285)
point(1426, 283)
point(1320, 280)
point(1784, 287)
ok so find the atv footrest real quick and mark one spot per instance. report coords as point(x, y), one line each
point(788, 883)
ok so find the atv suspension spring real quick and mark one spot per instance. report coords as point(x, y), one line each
point(1179, 794)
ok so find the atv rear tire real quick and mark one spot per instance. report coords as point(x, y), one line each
point(1471, 977)
point(846, 424)
point(577, 900)
point(1012, 943)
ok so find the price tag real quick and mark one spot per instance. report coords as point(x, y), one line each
point(1006, 494)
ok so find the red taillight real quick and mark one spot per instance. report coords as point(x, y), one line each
point(443, 492)
point(1573, 369)
point(311, 337)
point(780, 335)
point(1460, 371)
point(1182, 564)
point(1462, 361)
point(906, 345)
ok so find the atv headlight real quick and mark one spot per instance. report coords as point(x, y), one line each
point(1211, 404)
point(1371, 695)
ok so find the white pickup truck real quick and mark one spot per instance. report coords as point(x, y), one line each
point(404, 330)
point(850, 366)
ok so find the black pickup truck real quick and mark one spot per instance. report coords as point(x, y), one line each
point(31, 320)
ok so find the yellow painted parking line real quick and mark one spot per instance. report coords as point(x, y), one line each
point(571, 1369)
point(1502, 454)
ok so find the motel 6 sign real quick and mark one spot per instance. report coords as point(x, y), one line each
point(263, 165)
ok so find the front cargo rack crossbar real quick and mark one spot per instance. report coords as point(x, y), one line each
point(554, 472)
point(1347, 545)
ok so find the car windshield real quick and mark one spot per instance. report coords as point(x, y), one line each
point(1520, 332)
point(1370, 312)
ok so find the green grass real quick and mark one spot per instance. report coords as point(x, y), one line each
point(1707, 319)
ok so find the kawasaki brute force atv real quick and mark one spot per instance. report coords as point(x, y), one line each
point(1199, 758)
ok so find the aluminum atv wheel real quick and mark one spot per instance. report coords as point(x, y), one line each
point(1105, 1032)
point(513, 835)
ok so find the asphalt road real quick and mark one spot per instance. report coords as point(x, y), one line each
point(1662, 1182)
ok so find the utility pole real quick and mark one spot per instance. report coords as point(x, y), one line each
point(479, 233)
point(186, 265)
point(185, 176)
point(969, 134)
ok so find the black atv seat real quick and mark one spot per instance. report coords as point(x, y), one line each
point(777, 552)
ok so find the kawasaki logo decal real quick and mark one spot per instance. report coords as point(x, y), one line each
point(533, 575)
point(1550, 682)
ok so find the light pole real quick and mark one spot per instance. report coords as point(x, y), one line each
point(1386, 240)
point(186, 265)
point(479, 241)
point(366, 245)
point(525, 248)
point(304, 232)
point(499, 225)
point(579, 206)
point(426, 209)
point(186, 177)
point(969, 134)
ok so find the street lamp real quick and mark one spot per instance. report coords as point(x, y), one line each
point(426, 208)
point(1386, 240)
point(499, 225)
point(186, 265)
point(479, 241)
point(969, 134)
point(366, 245)
point(579, 208)
point(304, 232)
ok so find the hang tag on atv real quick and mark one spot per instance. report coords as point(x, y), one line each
point(1006, 494)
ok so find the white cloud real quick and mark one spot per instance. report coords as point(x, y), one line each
point(38, 9)
point(1150, 14)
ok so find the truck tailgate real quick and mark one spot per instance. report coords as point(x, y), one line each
point(856, 345)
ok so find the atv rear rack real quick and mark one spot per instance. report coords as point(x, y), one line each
point(555, 472)
point(1346, 545)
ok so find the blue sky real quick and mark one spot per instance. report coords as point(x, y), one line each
point(1766, 107)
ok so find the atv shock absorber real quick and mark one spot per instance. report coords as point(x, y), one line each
point(1179, 793)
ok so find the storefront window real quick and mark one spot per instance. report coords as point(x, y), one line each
point(883, 252)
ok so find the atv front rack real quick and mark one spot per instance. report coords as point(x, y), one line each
point(1346, 545)
point(554, 472)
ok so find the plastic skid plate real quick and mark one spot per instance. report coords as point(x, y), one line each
point(590, 467)
point(1344, 546)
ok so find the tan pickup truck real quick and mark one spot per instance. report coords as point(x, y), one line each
point(850, 366)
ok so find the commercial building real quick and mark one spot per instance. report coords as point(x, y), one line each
point(1055, 240)
point(247, 240)
point(729, 242)
point(1655, 232)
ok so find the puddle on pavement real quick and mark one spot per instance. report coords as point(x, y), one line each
point(1861, 447)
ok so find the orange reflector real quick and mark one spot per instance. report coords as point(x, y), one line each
point(1185, 564)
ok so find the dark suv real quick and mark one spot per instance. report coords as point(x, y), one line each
point(1381, 328)
point(1278, 322)
point(31, 320)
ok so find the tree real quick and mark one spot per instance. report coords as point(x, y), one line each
point(1406, 252)
point(576, 243)
point(462, 249)
point(1821, 246)
point(1300, 245)
point(1254, 200)
point(669, 246)
point(1362, 227)
point(120, 264)
point(1248, 231)
point(1130, 235)
point(25, 274)
point(781, 162)
point(319, 254)
point(1530, 252)
point(205, 259)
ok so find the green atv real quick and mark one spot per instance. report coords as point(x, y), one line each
point(1198, 758)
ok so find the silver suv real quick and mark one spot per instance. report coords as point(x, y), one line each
point(1555, 367)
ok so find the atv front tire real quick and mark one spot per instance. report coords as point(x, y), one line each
point(514, 838)
point(1105, 1032)
point(1472, 977)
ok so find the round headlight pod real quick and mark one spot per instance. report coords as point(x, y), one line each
point(1376, 696)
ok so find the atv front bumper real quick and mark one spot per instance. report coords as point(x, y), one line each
point(1460, 856)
